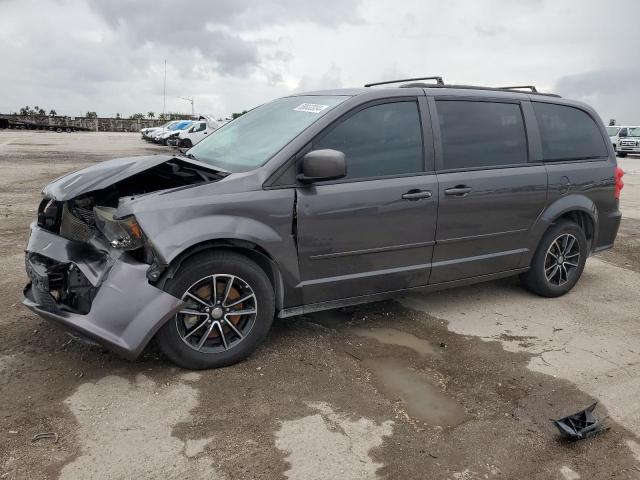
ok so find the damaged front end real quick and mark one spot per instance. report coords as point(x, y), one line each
point(89, 270)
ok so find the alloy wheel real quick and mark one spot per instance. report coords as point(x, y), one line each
point(562, 259)
point(219, 312)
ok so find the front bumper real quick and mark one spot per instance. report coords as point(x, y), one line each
point(126, 311)
point(628, 148)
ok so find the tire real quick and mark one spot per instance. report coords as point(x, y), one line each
point(565, 276)
point(186, 143)
point(224, 345)
point(621, 155)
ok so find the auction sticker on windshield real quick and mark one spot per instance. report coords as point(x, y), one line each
point(310, 107)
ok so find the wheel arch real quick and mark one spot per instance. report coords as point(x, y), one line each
point(577, 208)
point(246, 248)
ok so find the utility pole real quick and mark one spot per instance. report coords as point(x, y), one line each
point(164, 90)
point(190, 99)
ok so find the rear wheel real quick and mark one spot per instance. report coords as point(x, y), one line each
point(229, 308)
point(558, 262)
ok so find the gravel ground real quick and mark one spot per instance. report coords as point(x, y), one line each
point(458, 384)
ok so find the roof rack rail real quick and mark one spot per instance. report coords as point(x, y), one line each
point(438, 80)
point(521, 87)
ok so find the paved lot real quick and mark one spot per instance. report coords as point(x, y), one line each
point(453, 385)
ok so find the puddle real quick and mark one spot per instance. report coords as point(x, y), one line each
point(422, 400)
point(391, 336)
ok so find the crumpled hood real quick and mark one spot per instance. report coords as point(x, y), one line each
point(100, 176)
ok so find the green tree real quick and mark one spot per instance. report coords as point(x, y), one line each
point(53, 113)
point(136, 116)
point(151, 115)
point(91, 115)
point(25, 111)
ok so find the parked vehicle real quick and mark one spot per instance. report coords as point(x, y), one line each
point(318, 201)
point(197, 132)
point(171, 131)
point(612, 131)
point(148, 133)
point(629, 141)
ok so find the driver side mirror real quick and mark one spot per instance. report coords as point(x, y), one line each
point(320, 165)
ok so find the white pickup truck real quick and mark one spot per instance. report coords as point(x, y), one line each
point(629, 141)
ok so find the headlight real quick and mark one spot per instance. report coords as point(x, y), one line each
point(125, 233)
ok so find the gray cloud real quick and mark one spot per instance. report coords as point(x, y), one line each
point(230, 55)
point(612, 91)
point(214, 29)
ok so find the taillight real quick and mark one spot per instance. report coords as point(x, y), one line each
point(619, 182)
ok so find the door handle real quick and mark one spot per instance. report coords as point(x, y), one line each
point(416, 194)
point(458, 191)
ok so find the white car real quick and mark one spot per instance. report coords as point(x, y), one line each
point(629, 141)
point(198, 131)
point(148, 133)
point(172, 131)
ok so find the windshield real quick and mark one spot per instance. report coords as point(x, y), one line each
point(252, 139)
point(177, 126)
point(634, 132)
point(612, 131)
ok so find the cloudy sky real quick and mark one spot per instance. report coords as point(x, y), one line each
point(108, 55)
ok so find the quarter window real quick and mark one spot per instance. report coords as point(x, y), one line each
point(381, 140)
point(568, 133)
point(481, 134)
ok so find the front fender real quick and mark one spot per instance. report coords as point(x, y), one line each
point(182, 235)
point(177, 221)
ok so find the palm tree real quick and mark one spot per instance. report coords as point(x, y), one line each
point(52, 113)
point(151, 114)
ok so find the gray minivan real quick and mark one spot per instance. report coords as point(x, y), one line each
point(322, 200)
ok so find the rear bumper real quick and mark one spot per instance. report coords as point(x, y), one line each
point(607, 231)
point(126, 310)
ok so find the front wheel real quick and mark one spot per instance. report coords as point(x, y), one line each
point(558, 262)
point(229, 307)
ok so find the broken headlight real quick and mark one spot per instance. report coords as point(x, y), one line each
point(124, 233)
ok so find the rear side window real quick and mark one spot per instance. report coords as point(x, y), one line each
point(568, 133)
point(381, 140)
point(481, 134)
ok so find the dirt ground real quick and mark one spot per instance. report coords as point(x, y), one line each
point(455, 385)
